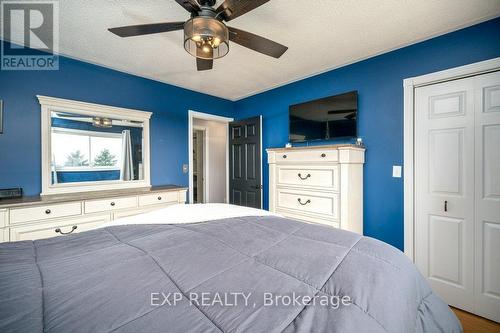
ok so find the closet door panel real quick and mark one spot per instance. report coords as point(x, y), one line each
point(444, 188)
point(487, 195)
point(446, 243)
point(491, 162)
point(446, 153)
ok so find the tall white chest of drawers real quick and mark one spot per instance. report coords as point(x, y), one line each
point(319, 184)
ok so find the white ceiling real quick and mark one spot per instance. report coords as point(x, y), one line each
point(320, 34)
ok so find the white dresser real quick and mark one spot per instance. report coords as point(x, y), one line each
point(36, 218)
point(320, 184)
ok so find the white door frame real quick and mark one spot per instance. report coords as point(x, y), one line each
point(206, 165)
point(205, 116)
point(410, 85)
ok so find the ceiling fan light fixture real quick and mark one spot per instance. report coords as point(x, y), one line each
point(102, 122)
point(208, 35)
point(206, 48)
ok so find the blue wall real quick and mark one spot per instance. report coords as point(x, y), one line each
point(379, 81)
point(20, 143)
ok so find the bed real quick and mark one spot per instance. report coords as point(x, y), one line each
point(214, 268)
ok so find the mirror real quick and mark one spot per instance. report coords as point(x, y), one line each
point(95, 149)
point(92, 147)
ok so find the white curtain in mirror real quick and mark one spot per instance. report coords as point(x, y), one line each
point(127, 165)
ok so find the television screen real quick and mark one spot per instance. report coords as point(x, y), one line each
point(324, 119)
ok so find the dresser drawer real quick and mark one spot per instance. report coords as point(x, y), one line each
point(309, 176)
point(47, 230)
point(22, 215)
point(4, 235)
point(106, 205)
point(308, 218)
point(158, 198)
point(308, 202)
point(131, 212)
point(312, 155)
point(3, 218)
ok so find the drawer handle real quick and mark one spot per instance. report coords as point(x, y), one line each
point(303, 203)
point(112, 203)
point(48, 211)
point(73, 228)
point(323, 155)
point(304, 178)
point(159, 198)
point(284, 156)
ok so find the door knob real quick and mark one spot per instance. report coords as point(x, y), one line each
point(445, 205)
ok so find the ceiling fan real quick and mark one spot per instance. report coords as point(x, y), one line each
point(206, 37)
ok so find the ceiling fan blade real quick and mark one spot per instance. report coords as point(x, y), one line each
point(189, 5)
point(146, 29)
point(204, 64)
point(256, 43)
point(231, 9)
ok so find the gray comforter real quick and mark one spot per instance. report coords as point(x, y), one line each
point(253, 274)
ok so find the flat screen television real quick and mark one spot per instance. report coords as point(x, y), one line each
point(324, 119)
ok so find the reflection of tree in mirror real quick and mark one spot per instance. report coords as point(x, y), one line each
point(76, 158)
point(105, 158)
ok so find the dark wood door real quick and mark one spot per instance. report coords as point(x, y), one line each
point(245, 162)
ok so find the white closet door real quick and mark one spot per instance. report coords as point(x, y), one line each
point(444, 189)
point(487, 214)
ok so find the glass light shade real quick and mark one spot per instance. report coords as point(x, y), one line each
point(102, 122)
point(206, 38)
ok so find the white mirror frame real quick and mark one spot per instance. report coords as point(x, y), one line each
point(49, 104)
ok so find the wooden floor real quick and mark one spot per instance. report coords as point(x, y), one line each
point(474, 324)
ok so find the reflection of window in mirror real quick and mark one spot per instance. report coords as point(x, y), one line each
point(96, 147)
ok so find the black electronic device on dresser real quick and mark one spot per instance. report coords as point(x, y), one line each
point(11, 193)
